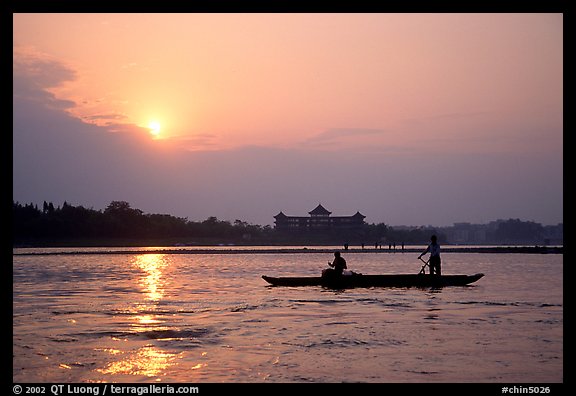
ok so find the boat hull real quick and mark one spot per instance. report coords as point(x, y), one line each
point(357, 280)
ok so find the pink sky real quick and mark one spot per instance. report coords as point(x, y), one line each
point(460, 88)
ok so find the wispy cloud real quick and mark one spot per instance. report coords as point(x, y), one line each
point(40, 68)
point(105, 119)
point(126, 128)
point(34, 73)
point(196, 142)
point(448, 117)
point(333, 135)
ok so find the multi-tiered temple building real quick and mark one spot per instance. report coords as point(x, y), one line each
point(319, 220)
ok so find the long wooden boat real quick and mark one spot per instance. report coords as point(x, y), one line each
point(358, 280)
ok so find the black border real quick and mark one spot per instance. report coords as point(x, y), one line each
point(283, 6)
point(424, 6)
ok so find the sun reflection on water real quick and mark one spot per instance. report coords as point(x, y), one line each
point(148, 361)
point(147, 320)
point(152, 284)
point(153, 266)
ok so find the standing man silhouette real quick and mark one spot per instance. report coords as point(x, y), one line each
point(435, 261)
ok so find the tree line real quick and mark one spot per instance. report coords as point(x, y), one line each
point(32, 225)
point(120, 221)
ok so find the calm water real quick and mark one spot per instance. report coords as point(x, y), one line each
point(211, 318)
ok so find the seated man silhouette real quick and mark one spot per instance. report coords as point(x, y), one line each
point(338, 266)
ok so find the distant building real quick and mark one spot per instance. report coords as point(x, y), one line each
point(319, 220)
point(511, 231)
point(467, 233)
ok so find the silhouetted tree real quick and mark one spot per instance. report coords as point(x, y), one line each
point(120, 220)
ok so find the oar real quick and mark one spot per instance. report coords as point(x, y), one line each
point(424, 266)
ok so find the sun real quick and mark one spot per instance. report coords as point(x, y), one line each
point(155, 128)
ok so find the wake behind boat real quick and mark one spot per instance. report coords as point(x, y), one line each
point(391, 280)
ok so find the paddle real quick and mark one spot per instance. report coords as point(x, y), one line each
point(424, 266)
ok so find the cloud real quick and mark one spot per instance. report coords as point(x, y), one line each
point(195, 142)
point(40, 69)
point(130, 65)
point(335, 135)
point(34, 73)
point(448, 117)
point(201, 141)
point(128, 128)
point(111, 116)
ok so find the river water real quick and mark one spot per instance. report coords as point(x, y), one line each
point(148, 317)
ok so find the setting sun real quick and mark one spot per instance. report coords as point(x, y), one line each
point(154, 127)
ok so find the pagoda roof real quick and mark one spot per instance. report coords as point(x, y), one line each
point(280, 215)
point(358, 214)
point(320, 211)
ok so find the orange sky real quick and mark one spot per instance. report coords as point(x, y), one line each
point(379, 87)
point(282, 79)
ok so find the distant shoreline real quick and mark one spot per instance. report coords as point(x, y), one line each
point(292, 250)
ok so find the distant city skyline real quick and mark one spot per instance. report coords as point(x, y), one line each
point(411, 119)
